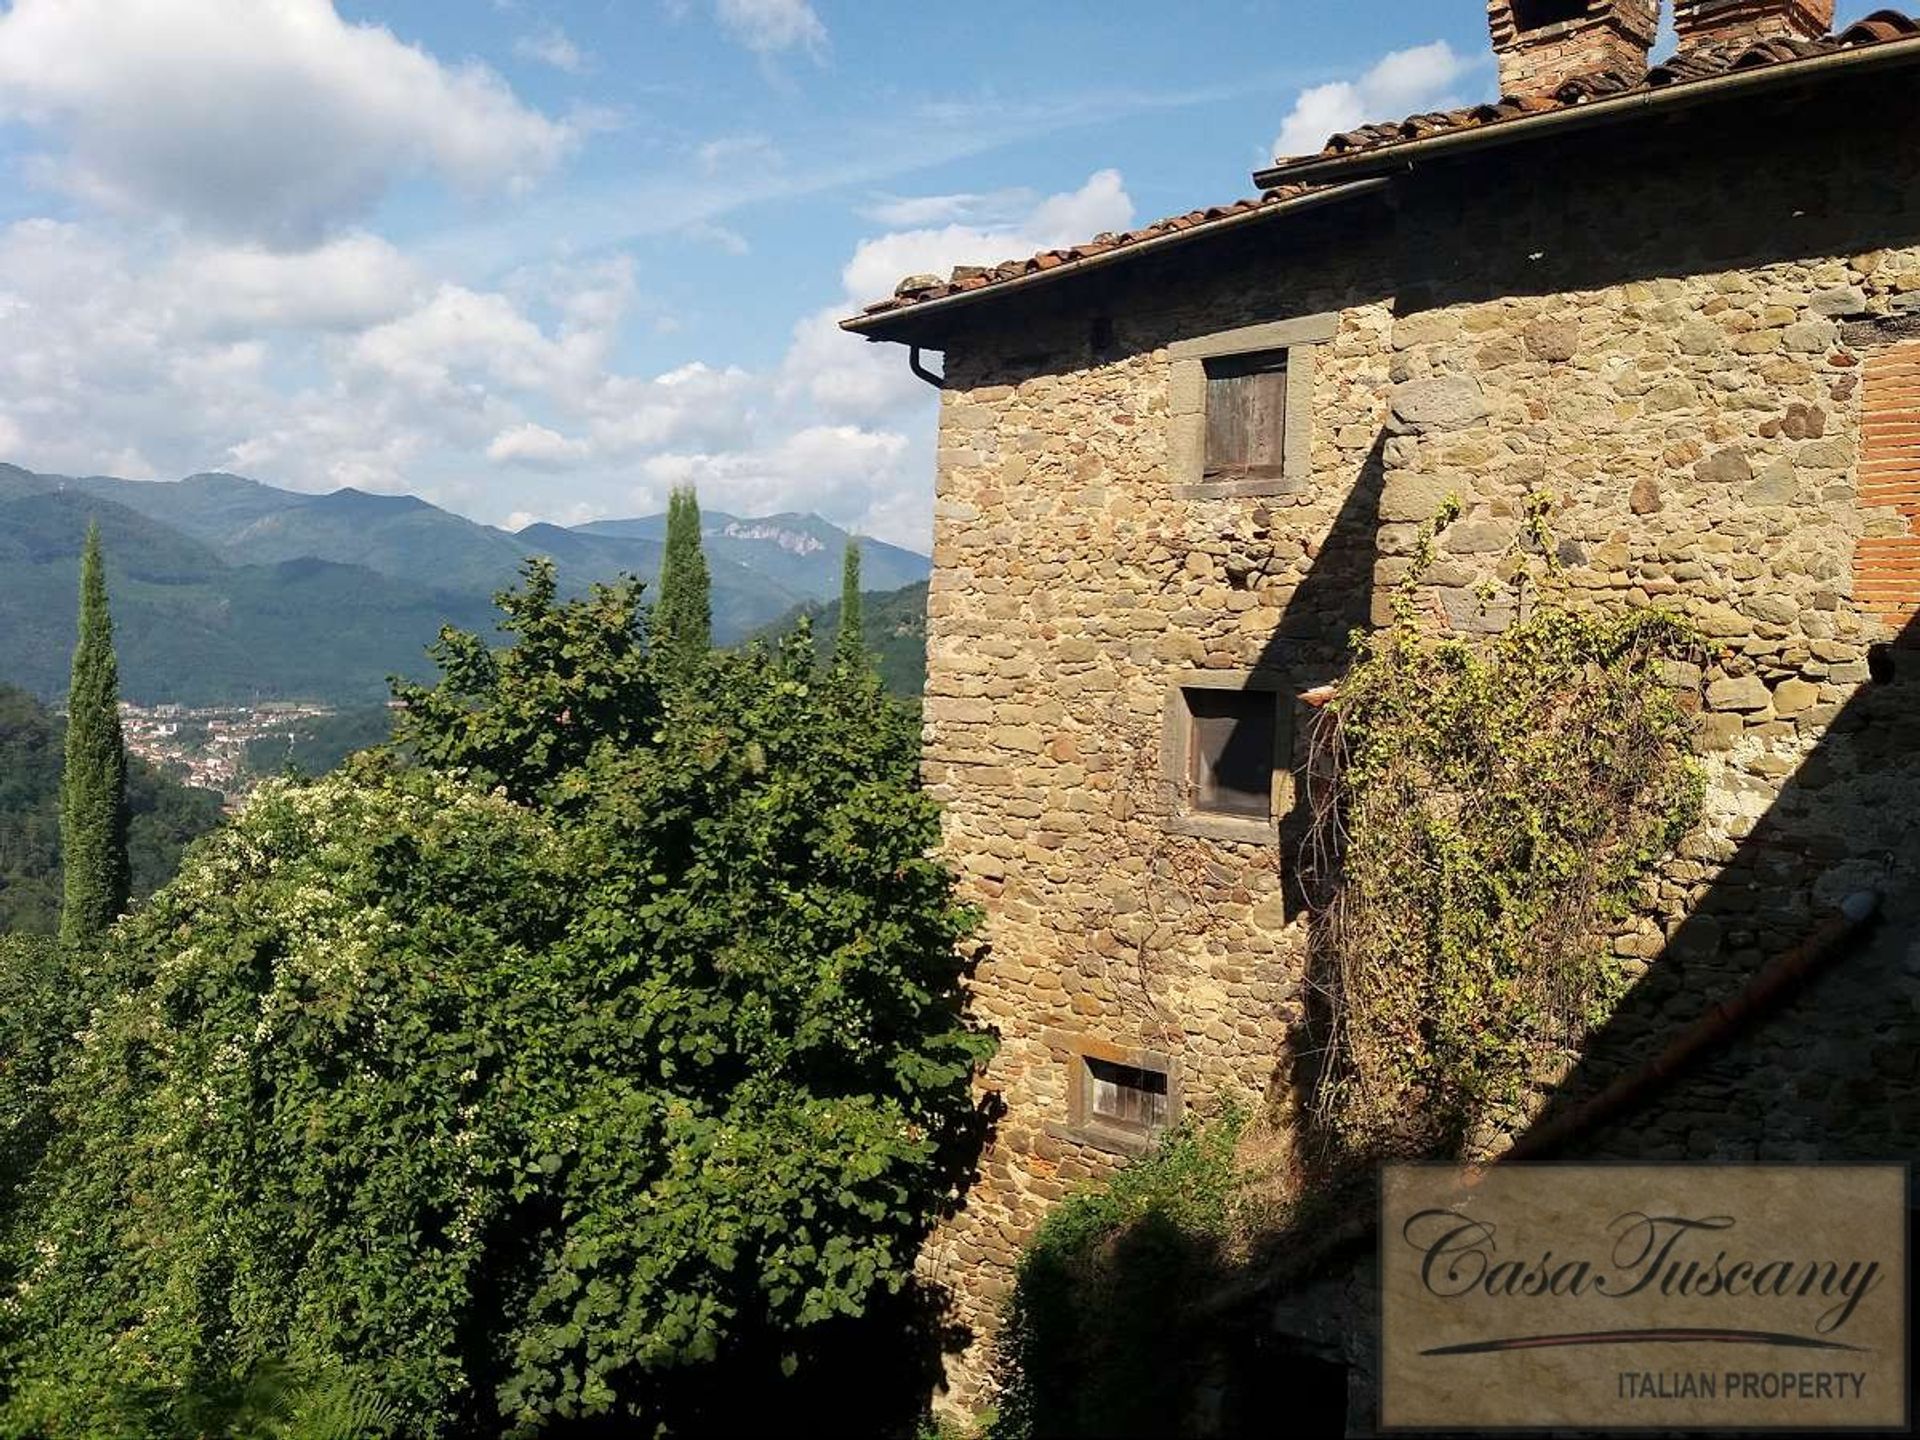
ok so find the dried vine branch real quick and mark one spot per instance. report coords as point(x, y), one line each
point(1482, 816)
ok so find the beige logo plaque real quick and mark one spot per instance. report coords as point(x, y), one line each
point(1656, 1297)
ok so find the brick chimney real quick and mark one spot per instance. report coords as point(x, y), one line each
point(1717, 22)
point(1541, 44)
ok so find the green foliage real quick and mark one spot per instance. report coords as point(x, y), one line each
point(1093, 1341)
point(850, 641)
point(93, 783)
point(273, 1401)
point(894, 632)
point(43, 1004)
point(164, 817)
point(576, 676)
point(595, 1069)
point(683, 619)
point(1491, 811)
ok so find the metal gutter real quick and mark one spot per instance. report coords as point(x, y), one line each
point(1406, 154)
point(870, 325)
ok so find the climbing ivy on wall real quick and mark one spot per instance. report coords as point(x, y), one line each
point(1485, 815)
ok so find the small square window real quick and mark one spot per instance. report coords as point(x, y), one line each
point(1247, 417)
point(1119, 1098)
point(1227, 755)
point(1230, 755)
point(1126, 1097)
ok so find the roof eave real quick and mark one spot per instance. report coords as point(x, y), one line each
point(902, 323)
point(1403, 156)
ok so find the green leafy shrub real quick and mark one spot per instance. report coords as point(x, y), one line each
point(1093, 1340)
point(606, 1077)
point(43, 1004)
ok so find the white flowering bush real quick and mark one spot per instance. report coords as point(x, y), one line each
point(523, 1089)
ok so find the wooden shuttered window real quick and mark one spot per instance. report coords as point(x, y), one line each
point(1231, 750)
point(1247, 417)
point(1127, 1097)
point(1886, 568)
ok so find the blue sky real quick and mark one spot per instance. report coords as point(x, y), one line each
point(543, 259)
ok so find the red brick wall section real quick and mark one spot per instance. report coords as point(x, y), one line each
point(1886, 569)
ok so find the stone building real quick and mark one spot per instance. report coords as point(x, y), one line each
point(1178, 466)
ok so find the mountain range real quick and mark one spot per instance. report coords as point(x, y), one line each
point(229, 590)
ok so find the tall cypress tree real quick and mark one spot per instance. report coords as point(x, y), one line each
point(850, 645)
point(683, 617)
point(93, 786)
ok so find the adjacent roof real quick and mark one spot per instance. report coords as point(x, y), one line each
point(1376, 150)
point(1690, 67)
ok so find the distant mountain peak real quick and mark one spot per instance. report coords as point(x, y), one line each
point(798, 542)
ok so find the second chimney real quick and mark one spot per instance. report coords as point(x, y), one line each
point(1542, 44)
point(1719, 22)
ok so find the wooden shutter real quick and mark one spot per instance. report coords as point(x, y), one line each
point(1231, 750)
point(1886, 569)
point(1127, 1097)
point(1247, 417)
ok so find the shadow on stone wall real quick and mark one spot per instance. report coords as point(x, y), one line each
point(1831, 1073)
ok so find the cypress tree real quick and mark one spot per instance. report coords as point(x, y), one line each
point(850, 645)
point(93, 785)
point(683, 617)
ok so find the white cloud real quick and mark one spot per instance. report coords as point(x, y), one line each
point(159, 350)
point(1066, 219)
point(771, 26)
point(1403, 83)
point(270, 119)
point(345, 284)
point(998, 207)
point(554, 47)
point(537, 447)
point(834, 469)
point(846, 379)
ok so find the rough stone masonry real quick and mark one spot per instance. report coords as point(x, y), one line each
point(1678, 330)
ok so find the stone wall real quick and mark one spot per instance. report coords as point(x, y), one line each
point(1659, 346)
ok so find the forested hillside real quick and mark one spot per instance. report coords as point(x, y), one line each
point(896, 634)
point(318, 746)
point(227, 591)
point(166, 817)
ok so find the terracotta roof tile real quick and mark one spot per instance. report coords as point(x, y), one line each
point(921, 288)
point(1689, 67)
point(1702, 63)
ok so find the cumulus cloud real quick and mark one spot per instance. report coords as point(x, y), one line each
point(1404, 83)
point(274, 120)
point(159, 350)
point(554, 47)
point(537, 447)
point(835, 469)
point(343, 285)
point(1065, 219)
